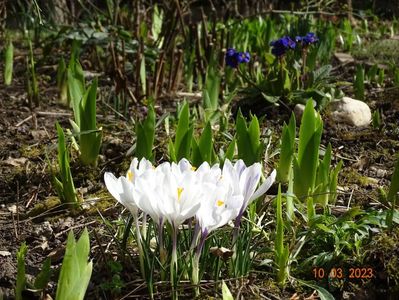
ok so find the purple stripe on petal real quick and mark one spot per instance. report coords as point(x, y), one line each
point(264, 187)
point(250, 185)
point(240, 167)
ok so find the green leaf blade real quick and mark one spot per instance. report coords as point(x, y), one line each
point(8, 63)
point(76, 270)
point(21, 278)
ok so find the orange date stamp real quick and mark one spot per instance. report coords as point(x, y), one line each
point(341, 273)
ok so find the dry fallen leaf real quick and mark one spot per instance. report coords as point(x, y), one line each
point(38, 134)
point(5, 253)
point(313, 296)
point(44, 245)
point(15, 162)
point(344, 58)
point(222, 252)
point(12, 209)
point(295, 297)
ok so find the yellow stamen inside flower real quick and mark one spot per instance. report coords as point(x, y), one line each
point(193, 168)
point(129, 175)
point(179, 191)
point(219, 203)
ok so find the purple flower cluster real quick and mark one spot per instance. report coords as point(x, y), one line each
point(308, 39)
point(234, 58)
point(281, 45)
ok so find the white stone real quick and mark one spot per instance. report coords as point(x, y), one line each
point(350, 111)
point(298, 111)
point(344, 58)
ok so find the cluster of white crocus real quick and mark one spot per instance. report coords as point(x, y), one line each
point(176, 192)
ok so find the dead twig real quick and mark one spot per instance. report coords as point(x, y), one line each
point(17, 208)
point(24, 121)
point(74, 227)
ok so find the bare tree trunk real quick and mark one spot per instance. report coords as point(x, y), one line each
point(350, 12)
point(3, 17)
point(60, 12)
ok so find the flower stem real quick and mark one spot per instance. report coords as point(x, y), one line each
point(144, 226)
point(236, 231)
point(196, 258)
point(173, 263)
point(162, 250)
point(140, 248)
point(237, 223)
point(195, 236)
point(304, 55)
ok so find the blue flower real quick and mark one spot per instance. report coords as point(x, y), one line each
point(234, 58)
point(243, 57)
point(231, 58)
point(309, 38)
point(281, 45)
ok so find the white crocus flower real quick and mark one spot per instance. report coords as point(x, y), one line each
point(122, 188)
point(179, 192)
point(245, 180)
point(169, 192)
point(218, 207)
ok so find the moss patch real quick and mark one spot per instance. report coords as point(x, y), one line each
point(105, 201)
point(31, 151)
point(351, 176)
point(50, 204)
point(381, 52)
point(383, 254)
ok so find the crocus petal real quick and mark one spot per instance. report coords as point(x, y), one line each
point(134, 164)
point(227, 164)
point(122, 190)
point(249, 180)
point(264, 186)
point(127, 199)
point(230, 210)
point(144, 165)
point(203, 169)
point(137, 168)
point(184, 165)
point(113, 185)
point(231, 171)
point(146, 197)
point(239, 166)
point(205, 173)
point(186, 214)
